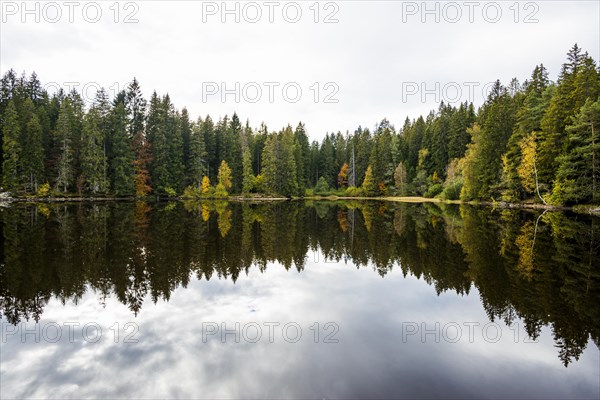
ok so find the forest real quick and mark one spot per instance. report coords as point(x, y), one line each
point(536, 141)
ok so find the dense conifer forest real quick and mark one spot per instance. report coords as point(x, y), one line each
point(533, 141)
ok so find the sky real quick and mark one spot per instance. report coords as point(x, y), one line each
point(333, 65)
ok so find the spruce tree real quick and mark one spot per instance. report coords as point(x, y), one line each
point(197, 157)
point(286, 166)
point(32, 155)
point(122, 157)
point(369, 186)
point(248, 175)
point(64, 131)
point(93, 160)
point(269, 164)
point(578, 175)
point(10, 147)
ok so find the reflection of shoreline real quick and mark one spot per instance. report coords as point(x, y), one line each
point(540, 266)
point(583, 208)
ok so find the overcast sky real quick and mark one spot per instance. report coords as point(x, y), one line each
point(355, 62)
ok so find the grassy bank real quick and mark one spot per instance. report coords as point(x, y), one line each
point(582, 208)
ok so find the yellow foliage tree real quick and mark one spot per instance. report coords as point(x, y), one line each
point(342, 177)
point(205, 184)
point(369, 186)
point(526, 170)
point(224, 175)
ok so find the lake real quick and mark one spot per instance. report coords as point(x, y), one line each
point(292, 299)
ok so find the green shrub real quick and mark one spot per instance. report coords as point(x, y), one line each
point(191, 192)
point(354, 192)
point(258, 184)
point(452, 191)
point(322, 186)
point(309, 192)
point(220, 192)
point(434, 190)
point(43, 190)
point(170, 192)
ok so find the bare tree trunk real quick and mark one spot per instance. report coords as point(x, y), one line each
point(537, 186)
point(593, 165)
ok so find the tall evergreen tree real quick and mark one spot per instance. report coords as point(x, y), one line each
point(135, 105)
point(302, 156)
point(10, 147)
point(121, 157)
point(32, 154)
point(286, 166)
point(65, 172)
point(197, 157)
point(269, 163)
point(93, 160)
point(248, 178)
point(578, 176)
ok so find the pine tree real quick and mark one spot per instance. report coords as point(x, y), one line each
point(135, 106)
point(302, 155)
point(93, 161)
point(560, 112)
point(369, 186)
point(232, 151)
point(141, 179)
point(32, 154)
point(10, 147)
point(186, 135)
point(176, 123)
point(327, 166)
point(528, 119)
point(269, 163)
point(157, 140)
point(197, 157)
point(64, 131)
point(439, 140)
point(381, 156)
point(101, 104)
point(248, 180)
point(578, 176)
point(122, 157)
point(484, 155)
point(286, 165)
point(458, 138)
point(210, 141)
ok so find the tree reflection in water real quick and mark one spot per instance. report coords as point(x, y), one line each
point(541, 267)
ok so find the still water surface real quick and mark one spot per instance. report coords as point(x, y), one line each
point(293, 299)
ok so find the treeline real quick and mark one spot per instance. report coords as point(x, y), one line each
point(536, 141)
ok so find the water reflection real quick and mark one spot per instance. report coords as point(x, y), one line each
point(541, 268)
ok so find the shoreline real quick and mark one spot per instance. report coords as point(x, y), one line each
point(586, 208)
